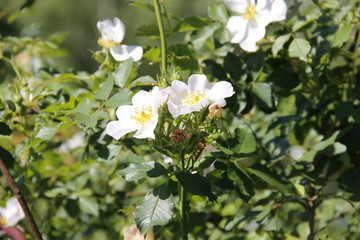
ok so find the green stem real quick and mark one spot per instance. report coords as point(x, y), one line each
point(160, 24)
point(183, 217)
point(182, 204)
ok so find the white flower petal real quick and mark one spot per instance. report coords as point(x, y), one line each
point(198, 82)
point(117, 129)
point(221, 90)
point(254, 34)
point(173, 109)
point(112, 30)
point(124, 52)
point(236, 26)
point(146, 132)
point(238, 6)
point(278, 10)
point(178, 91)
point(14, 212)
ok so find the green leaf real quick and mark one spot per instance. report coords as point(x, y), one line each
point(242, 181)
point(279, 43)
point(105, 88)
point(151, 31)
point(263, 95)
point(46, 133)
point(142, 81)
point(4, 129)
point(196, 184)
point(145, 6)
point(299, 48)
point(247, 141)
point(203, 34)
point(191, 23)
point(122, 73)
point(89, 205)
point(343, 34)
point(156, 209)
point(272, 178)
point(233, 66)
point(218, 12)
point(153, 55)
point(136, 171)
point(123, 97)
point(7, 158)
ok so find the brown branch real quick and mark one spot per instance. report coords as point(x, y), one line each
point(28, 216)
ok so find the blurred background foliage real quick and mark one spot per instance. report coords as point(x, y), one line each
point(75, 22)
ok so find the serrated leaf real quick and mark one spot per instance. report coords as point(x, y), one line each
point(191, 23)
point(218, 12)
point(263, 94)
point(105, 88)
point(242, 181)
point(272, 178)
point(299, 48)
point(203, 34)
point(46, 133)
point(247, 141)
point(151, 31)
point(279, 43)
point(4, 129)
point(122, 73)
point(343, 34)
point(145, 6)
point(136, 171)
point(89, 205)
point(156, 208)
point(123, 97)
point(196, 184)
point(153, 55)
point(143, 81)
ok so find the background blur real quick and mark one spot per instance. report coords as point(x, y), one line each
point(77, 19)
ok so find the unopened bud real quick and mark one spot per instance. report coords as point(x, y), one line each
point(215, 112)
point(178, 136)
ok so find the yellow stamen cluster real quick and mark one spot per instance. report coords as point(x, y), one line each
point(106, 43)
point(192, 98)
point(250, 11)
point(142, 115)
point(2, 221)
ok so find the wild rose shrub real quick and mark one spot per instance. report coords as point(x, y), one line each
point(248, 129)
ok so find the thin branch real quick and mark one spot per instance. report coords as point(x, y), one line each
point(28, 216)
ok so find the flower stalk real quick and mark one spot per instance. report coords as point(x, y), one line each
point(160, 23)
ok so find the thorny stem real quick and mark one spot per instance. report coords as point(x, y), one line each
point(28, 216)
point(160, 23)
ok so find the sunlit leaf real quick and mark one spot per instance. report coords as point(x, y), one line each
point(122, 73)
point(218, 12)
point(299, 48)
point(105, 88)
point(279, 43)
point(196, 184)
point(343, 34)
point(136, 171)
point(156, 208)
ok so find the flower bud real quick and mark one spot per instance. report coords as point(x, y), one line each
point(178, 137)
point(215, 112)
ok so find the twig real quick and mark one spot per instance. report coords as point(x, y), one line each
point(28, 216)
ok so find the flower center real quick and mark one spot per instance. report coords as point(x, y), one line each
point(106, 43)
point(250, 11)
point(192, 98)
point(142, 115)
point(2, 221)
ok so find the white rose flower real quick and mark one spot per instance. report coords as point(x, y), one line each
point(249, 26)
point(112, 34)
point(184, 99)
point(142, 116)
point(11, 214)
